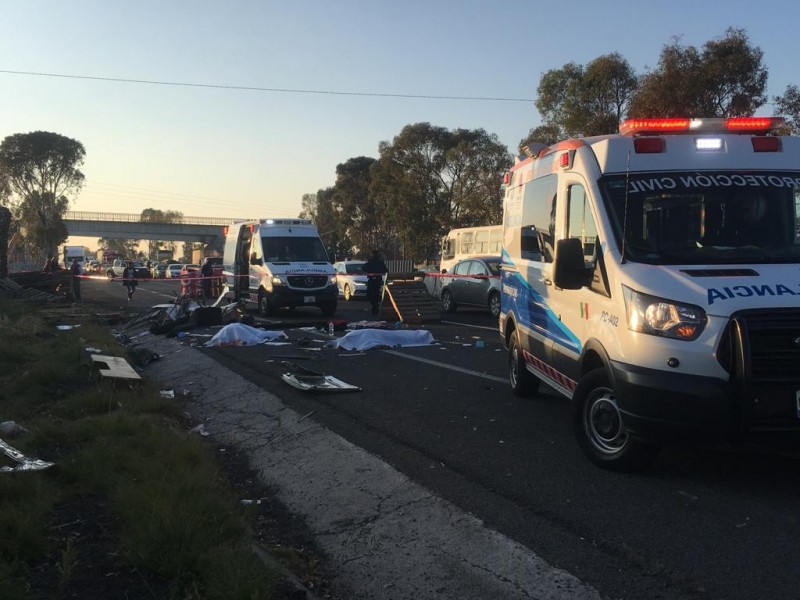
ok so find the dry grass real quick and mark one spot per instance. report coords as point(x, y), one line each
point(175, 522)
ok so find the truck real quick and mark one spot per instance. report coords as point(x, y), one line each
point(72, 252)
point(651, 277)
point(278, 263)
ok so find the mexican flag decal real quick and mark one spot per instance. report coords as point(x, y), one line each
point(584, 310)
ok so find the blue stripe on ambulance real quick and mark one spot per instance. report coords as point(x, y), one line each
point(533, 312)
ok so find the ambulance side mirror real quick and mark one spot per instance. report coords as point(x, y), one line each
point(569, 269)
point(254, 260)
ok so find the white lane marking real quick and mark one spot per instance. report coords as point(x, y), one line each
point(436, 363)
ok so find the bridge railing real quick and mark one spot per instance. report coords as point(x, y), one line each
point(73, 215)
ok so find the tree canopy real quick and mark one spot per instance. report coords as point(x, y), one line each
point(38, 173)
point(788, 107)
point(726, 78)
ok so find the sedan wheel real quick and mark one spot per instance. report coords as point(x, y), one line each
point(348, 295)
point(448, 304)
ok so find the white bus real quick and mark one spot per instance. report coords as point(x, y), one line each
point(470, 241)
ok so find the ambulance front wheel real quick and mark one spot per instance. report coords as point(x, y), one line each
point(265, 307)
point(523, 383)
point(600, 430)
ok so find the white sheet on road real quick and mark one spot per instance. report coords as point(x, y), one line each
point(364, 339)
point(239, 334)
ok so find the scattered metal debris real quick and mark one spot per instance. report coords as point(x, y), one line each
point(25, 463)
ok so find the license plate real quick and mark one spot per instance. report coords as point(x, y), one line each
point(312, 299)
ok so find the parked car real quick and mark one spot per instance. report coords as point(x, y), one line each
point(476, 282)
point(159, 271)
point(351, 279)
point(174, 270)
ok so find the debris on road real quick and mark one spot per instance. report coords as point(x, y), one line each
point(311, 381)
point(25, 463)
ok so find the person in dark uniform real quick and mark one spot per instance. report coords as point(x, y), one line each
point(76, 272)
point(375, 269)
point(207, 271)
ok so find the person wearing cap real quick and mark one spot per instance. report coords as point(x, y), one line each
point(375, 269)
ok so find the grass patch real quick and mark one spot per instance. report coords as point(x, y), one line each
point(156, 500)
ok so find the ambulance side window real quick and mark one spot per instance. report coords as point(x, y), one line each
point(581, 223)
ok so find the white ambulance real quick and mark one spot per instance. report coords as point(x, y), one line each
point(653, 277)
point(278, 263)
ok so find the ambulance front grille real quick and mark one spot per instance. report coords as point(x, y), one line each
point(307, 282)
point(770, 344)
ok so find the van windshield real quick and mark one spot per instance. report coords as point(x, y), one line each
point(289, 249)
point(719, 217)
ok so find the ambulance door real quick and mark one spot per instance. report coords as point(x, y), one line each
point(577, 308)
point(241, 269)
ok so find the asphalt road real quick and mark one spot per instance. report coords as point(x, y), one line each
point(703, 522)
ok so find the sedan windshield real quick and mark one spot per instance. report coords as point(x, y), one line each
point(706, 218)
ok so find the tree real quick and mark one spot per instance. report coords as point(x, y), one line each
point(429, 180)
point(725, 79)
point(584, 101)
point(360, 219)
point(547, 134)
point(124, 247)
point(40, 170)
point(42, 217)
point(154, 215)
point(788, 107)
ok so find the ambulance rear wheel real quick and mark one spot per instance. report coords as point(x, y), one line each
point(600, 430)
point(523, 382)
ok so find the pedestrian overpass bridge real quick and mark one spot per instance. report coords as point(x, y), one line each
point(208, 230)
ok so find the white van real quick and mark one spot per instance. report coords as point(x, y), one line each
point(653, 277)
point(277, 263)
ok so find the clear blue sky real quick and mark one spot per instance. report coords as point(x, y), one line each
point(232, 152)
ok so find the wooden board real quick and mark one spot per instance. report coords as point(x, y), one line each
point(115, 367)
point(410, 303)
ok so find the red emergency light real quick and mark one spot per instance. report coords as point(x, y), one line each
point(754, 125)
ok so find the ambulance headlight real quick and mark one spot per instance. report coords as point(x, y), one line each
point(276, 280)
point(333, 280)
point(662, 317)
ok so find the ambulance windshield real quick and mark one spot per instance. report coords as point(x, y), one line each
point(706, 217)
point(292, 249)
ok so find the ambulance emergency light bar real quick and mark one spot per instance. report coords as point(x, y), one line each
point(752, 125)
point(645, 130)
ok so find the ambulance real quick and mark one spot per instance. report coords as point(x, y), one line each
point(278, 263)
point(653, 278)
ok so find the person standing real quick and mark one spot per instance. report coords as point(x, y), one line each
point(207, 271)
point(76, 272)
point(375, 270)
point(129, 279)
